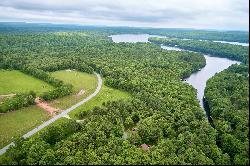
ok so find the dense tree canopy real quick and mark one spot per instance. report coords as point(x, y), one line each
point(163, 113)
point(233, 36)
point(227, 94)
point(234, 52)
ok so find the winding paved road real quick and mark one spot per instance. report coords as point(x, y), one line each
point(64, 113)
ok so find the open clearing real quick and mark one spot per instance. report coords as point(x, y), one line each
point(83, 85)
point(15, 124)
point(15, 81)
point(44, 105)
point(106, 94)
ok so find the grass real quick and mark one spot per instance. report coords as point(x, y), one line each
point(80, 81)
point(17, 123)
point(15, 81)
point(106, 94)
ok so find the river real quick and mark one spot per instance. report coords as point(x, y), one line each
point(198, 79)
point(234, 43)
point(131, 38)
point(213, 65)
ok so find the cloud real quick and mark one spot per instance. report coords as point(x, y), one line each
point(219, 14)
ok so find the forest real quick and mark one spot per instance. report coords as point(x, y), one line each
point(163, 114)
point(227, 94)
point(182, 33)
point(234, 52)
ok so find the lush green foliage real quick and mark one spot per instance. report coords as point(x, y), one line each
point(227, 94)
point(17, 102)
point(106, 94)
point(163, 111)
point(238, 36)
point(233, 36)
point(234, 52)
point(17, 123)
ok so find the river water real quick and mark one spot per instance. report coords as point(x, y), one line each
point(131, 38)
point(198, 79)
point(234, 43)
point(213, 65)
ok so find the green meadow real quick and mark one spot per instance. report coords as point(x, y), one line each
point(84, 82)
point(106, 94)
point(17, 123)
point(14, 81)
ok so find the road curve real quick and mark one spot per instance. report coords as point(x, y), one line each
point(65, 112)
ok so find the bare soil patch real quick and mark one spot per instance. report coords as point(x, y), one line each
point(51, 110)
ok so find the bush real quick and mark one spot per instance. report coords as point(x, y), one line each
point(19, 101)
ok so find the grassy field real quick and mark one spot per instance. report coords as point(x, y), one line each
point(15, 81)
point(17, 123)
point(80, 81)
point(106, 94)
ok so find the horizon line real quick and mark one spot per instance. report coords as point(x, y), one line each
point(126, 26)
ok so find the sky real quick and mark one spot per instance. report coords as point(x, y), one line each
point(199, 14)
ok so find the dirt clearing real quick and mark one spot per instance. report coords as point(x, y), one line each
point(51, 111)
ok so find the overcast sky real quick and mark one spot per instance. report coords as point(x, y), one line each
point(200, 14)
